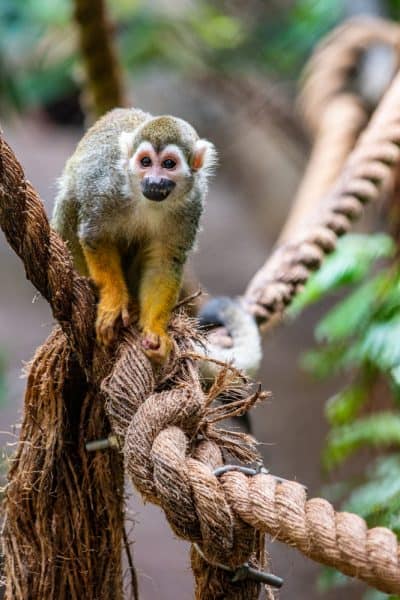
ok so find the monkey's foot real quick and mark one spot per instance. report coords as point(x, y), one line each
point(108, 321)
point(156, 346)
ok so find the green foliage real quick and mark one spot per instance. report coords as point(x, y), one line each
point(39, 56)
point(378, 499)
point(360, 337)
point(380, 430)
point(35, 52)
point(286, 40)
point(341, 408)
point(351, 262)
point(330, 578)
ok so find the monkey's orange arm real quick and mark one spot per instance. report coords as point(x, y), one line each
point(104, 266)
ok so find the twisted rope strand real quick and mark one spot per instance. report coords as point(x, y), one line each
point(340, 125)
point(173, 468)
point(335, 102)
point(330, 71)
point(338, 539)
point(368, 168)
point(45, 256)
point(103, 71)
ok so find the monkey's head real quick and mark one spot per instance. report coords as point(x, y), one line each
point(165, 158)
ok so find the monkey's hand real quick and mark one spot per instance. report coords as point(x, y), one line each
point(111, 312)
point(104, 266)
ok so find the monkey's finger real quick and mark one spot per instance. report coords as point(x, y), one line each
point(104, 335)
point(126, 317)
point(160, 354)
point(106, 328)
point(151, 342)
point(134, 312)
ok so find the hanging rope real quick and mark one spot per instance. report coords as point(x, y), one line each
point(102, 69)
point(63, 523)
point(368, 168)
point(333, 66)
point(335, 105)
point(333, 102)
point(173, 469)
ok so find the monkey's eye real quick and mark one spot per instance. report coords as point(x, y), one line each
point(168, 163)
point(145, 161)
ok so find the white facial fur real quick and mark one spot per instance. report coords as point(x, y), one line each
point(157, 167)
point(203, 162)
point(206, 154)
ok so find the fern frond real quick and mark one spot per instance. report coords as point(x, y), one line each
point(343, 407)
point(380, 430)
point(354, 256)
point(381, 344)
point(326, 361)
point(380, 493)
point(347, 317)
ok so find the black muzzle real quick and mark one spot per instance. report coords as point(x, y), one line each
point(157, 189)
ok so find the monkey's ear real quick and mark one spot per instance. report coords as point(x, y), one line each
point(126, 143)
point(204, 156)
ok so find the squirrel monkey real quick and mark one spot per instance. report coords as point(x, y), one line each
point(129, 204)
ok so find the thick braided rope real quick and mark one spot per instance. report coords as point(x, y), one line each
point(46, 259)
point(330, 71)
point(341, 540)
point(172, 467)
point(369, 166)
point(103, 71)
point(339, 128)
point(333, 109)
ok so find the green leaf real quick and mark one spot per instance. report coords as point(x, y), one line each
point(379, 430)
point(395, 373)
point(325, 361)
point(219, 30)
point(330, 578)
point(377, 495)
point(354, 256)
point(344, 406)
point(381, 345)
point(346, 318)
point(377, 595)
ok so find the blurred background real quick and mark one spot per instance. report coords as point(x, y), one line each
point(232, 69)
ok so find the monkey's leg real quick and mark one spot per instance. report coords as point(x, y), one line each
point(158, 295)
point(104, 266)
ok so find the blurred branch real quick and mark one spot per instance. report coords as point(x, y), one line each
point(345, 79)
point(340, 126)
point(103, 71)
point(368, 168)
point(263, 101)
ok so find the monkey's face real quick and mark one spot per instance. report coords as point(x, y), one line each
point(167, 172)
point(159, 172)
